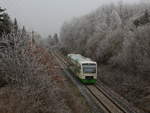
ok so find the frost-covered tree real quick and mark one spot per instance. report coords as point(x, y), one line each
point(55, 38)
point(15, 25)
point(5, 22)
point(103, 33)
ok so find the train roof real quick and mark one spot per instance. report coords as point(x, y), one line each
point(80, 59)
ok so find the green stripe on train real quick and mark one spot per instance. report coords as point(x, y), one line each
point(86, 81)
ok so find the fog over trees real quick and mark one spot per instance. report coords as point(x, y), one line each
point(111, 35)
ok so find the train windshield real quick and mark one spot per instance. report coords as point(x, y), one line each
point(89, 68)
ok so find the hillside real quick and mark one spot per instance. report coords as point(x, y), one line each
point(117, 37)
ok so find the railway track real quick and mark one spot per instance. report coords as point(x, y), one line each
point(108, 105)
point(117, 99)
point(103, 98)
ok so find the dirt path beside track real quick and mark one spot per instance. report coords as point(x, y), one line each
point(70, 94)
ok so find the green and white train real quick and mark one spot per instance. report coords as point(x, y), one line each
point(84, 68)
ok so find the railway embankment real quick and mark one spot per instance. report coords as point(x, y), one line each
point(41, 88)
point(67, 93)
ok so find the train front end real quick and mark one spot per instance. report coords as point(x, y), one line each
point(89, 72)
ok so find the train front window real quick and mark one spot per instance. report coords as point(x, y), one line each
point(89, 68)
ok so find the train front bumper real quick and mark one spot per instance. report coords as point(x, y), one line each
point(88, 81)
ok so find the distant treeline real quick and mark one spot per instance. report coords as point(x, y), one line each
point(7, 25)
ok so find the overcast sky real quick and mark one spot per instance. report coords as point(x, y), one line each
point(47, 16)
